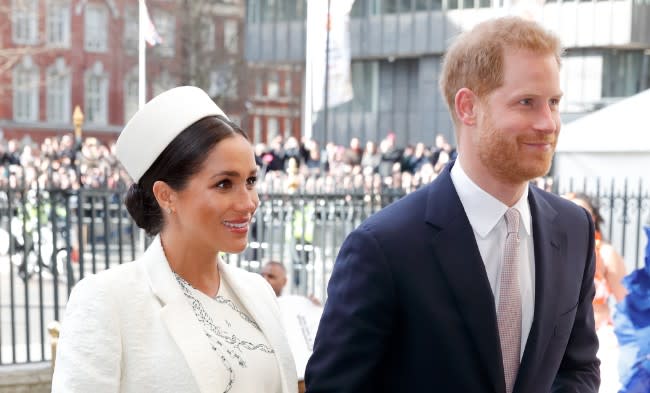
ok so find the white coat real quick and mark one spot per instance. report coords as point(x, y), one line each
point(131, 329)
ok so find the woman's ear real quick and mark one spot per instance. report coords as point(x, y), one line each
point(165, 195)
point(465, 106)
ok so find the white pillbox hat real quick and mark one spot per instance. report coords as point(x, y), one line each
point(157, 123)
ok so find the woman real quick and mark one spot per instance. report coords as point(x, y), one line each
point(179, 319)
point(610, 270)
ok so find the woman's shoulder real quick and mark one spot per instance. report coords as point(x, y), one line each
point(109, 280)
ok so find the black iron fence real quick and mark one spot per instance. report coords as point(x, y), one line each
point(52, 238)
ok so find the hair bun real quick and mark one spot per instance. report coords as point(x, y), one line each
point(144, 209)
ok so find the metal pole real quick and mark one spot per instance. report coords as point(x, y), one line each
point(327, 76)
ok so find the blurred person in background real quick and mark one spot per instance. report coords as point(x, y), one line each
point(610, 270)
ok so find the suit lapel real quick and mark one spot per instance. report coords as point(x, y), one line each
point(456, 251)
point(548, 243)
point(262, 313)
point(182, 324)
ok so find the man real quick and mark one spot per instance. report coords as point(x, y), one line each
point(276, 275)
point(433, 294)
point(300, 317)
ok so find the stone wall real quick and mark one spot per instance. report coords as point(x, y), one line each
point(26, 378)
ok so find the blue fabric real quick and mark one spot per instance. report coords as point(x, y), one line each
point(632, 322)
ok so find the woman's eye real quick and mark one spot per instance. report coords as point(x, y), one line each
point(251, 181)
point(224, 184)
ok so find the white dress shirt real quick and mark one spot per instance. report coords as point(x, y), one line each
point(486, 216)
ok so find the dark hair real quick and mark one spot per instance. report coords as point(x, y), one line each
point(276, 263)
point(593, 206)
point(181, 159)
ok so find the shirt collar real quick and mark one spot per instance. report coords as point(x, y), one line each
point(483, 210)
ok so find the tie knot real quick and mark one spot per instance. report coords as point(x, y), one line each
point(512, 220)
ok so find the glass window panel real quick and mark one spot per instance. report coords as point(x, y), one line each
point(422, 5)
point(166, 26)
point(25, 92)
point(24, 15)
point(231, 36)
point(58, 92)
point(272, 87)
point(131, 29)
point(95, 28)
point(452, 4)
point(405, 5)
point(359, 9)
point(389, 6)
point(58, 23)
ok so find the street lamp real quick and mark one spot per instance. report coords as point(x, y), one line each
point(77, 121)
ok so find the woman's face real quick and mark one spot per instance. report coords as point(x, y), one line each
point(215, 208)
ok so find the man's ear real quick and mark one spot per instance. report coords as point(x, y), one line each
point(165, 195)
point(465, 106)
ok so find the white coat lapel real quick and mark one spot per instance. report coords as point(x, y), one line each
point(183, 326)
point(267, 316)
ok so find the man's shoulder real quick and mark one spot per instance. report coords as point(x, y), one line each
point(565, 209)
point(404, 209)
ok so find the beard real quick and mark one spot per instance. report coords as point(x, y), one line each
point(503, 156)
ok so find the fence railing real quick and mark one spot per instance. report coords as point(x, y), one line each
point(51, 238)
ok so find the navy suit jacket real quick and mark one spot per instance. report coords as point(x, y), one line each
point(410, 308)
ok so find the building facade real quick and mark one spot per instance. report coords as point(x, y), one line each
point(397, 47)
point(57, 54)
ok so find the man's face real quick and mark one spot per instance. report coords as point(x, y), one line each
point(518, 123)
point(276, 276)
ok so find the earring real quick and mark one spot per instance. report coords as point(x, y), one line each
point(169, 210)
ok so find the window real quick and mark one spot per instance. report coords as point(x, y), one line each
point(422, 5)
point(163, 82)
point(24, 14)
point(271, 128)
point(622, 72)
point(131, 94)
point(365, 83)
point(131, 33)
point(166, 26)
point(25, 86)
point(58, 23)
point(208, 34)
point(233, 87)
point(58, 92)
point(287, 126)
point(259, 83)
point(96, 95)
point(257, 129)
point(272, 87)
point(231, 36)
point(96, 28)
point(223, 82)
point(287, 84)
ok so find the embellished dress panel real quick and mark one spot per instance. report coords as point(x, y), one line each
point(247, 360)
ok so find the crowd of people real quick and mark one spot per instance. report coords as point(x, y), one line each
point(285, 164)
point(60, 163)
point(477, 282)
